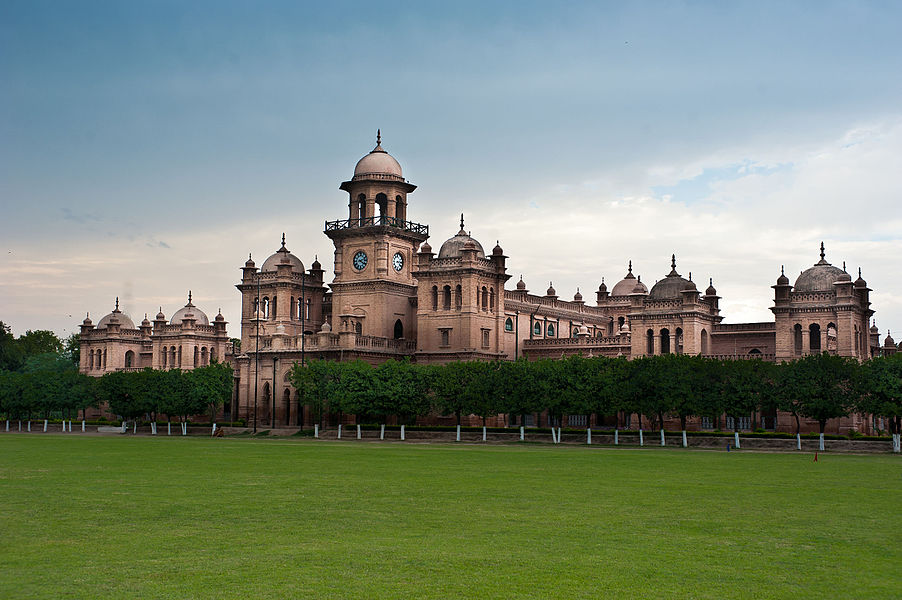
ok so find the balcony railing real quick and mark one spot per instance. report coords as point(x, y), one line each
point(380, 221)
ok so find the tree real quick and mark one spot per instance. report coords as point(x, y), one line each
point(881, 387)
point(210, 387)
point(117, 390)
point(826, 385)
point(12, 357)
point(72, 349)
point(40, 341)
point(317, 383)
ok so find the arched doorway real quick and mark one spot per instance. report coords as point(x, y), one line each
point(399, 330)
point(286, 402)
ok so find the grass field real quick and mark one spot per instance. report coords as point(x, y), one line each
point(141, 517)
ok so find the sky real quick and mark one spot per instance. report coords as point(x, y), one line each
point(147, 148)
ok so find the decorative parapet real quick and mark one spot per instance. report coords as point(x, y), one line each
point(380, 221)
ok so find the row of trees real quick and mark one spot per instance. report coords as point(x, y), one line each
point(128, 394)
point(819, 387)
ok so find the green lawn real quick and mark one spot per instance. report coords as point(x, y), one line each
point(145, 517)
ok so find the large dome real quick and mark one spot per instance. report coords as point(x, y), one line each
point(625, 286)
point(199, 316)
point(819, 278)
point(378, 164)
point(670, 287)
point(271, 263)
point(125, 322)
point(454, 246)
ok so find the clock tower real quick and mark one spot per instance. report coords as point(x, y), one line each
point(374, 292)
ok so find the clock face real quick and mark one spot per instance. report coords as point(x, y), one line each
point(397, 262)
point(360, 260)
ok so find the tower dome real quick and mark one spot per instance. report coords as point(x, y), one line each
point(819, 278)
point(521, 285)
point(889, 341)
point(625, 286)
point(453, 246)
point(711, 291)
point(551, 291)
point(602, 287)
point(117, 316)
point(378, 164)
point(782, 279)
point(189, 309)
point(670, 287)
point(271, 263)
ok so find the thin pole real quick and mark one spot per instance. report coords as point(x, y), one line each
point(257, 350)
point(273, 417)
point(303, 314)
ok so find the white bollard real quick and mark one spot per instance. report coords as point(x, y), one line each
point(662, 437)
point(339, 431)
point(7, 424)
point(20, 425)
point(736, 439)
point(402, 433)
point(821, 442)
point(458, 433)
point(29, 425)
point(522, 433)
point(82, 425)
point(798, 441)
point(124, 426)
point(483, 433)
point(212, 433)
point(168, 427)
point(684, 439)
point(616, 431)
point(316, 430)
point(45, 425)
point(185, 428)
point(382, 432)
point(135, 428)
point(641, 439)
point(358, 432)
point(589, 436)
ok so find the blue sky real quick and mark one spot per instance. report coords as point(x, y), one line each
point(145, 148)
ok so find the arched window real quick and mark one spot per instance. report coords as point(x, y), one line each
point(104, 358)
point(485, 298)
point(291, 308)
point(550, 330)
point(361, 208)
point(445, 337)
point(650, 342)
point(574, 332)
point(382, 201)
point(537, 328)
point(180, 356)
point(620, 322)
point(172, 362)
point(754, 352)
point(458, 297)
point(256, 306)
point(265, 314)
point(399, 330)
point(509, 324)
point(204, 357)
point(164, 356)
point(665, 341)
point(704, 342)
point(831, 336)
point(286, 402)
point(307, 310)
point(400, 212)
point(213, 355)
point(358, 328)
point(492, 299)
point(274, 312)
point(446, 297)
point(679, 340)
point(814, 337)
point(129, 359)
point(797, 339)
point(434, 297)
point(196, 354)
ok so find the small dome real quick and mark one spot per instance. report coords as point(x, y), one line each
point(117, 316)
point(639, 288)
point(497, 250)
point(860, 283)
point(426, 248)
point(819, 278)
point(326, 328)
point(577, 297)
point(160, 316)
point(844, 277)
point(219, 318)
point(280, 257)
point(87, 320)
point(189, 311)
point(454, 246)
point(550, 291)
point(782, 279)
point(378, 164)
point(145, 322)
point(690, 286)
point(249, 263)
point(521, 285)
point(625, 286)
point(710, 291)
point(873, 328)
point(602, 287)
point(889, 341)
point(670, 287)
point(316, 266)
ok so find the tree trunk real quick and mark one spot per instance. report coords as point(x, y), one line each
point(683, 422)
point(457, 414)
point(798, 423)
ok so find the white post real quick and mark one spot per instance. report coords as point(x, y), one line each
point(124, 426)
point(798, 442)
point(641, 440)
point(662, 437)
point(29, 425)
point(168, 427)
point(684, 439)
point(458, 433)
point(522, 432)
point(135, 428)
point(45, 425)
point(558, 435)
point(316, 430)
point(185, 428)
point(20, 424)
point(736, 439)
point(339, 431)
point(212, 433)
point(7, 426)
point(616, 431)
point(898, 437)
point(82, 425)
point(483, 433)
point(402, 433)
point(382, 432)
point(821, 442)
point(589, 436)
point(358, 431)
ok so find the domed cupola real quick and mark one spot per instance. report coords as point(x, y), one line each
point(844, 277)
point(189, 311)
point(378, 164)
point(117, 317)
point(578, 297)
point(497, 250)
point(551, 292)
point(670, 287)
point(146, 321)
point(88, 322)
point(860, 283)
point(889, 342)
point(280, 256)
point(625, 286)
point(711, 291)
point(782, 279)
point(454, 246)
point(521, 285)
point(873, 328)
point(819, 278)
point(602, 288)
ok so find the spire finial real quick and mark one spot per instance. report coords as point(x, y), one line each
point(822, 250)
point(117, 302)
point(782, 272)
point(843, 266)
point(710, 281)
point(602, 278)
point(859, 272)
point(673, 261)
point(87, 315)
point(630, 268)
point(378, 137)
point(145, 315)
point(249, 256)
point(283, 240)
point(461, 221)
point(161, 309)
point(690, 275)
